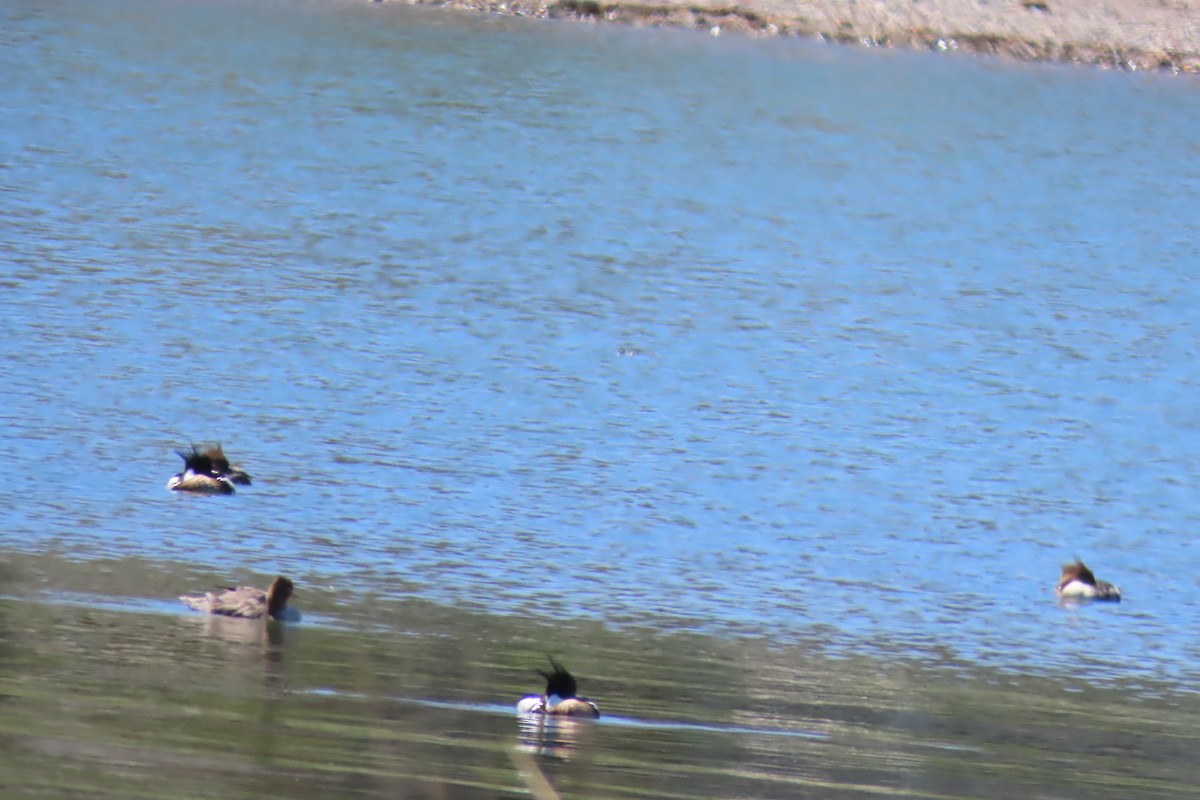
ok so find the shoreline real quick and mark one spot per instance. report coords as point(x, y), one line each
point(1126, 35)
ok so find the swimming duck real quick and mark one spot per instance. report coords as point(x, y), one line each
point(199, 475)
point(220, 465)
point(559, 698)
point(1078, 583)
point(246, 601)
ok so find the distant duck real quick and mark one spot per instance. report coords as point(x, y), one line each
point(559, 698)
point(247, 601)
point(1078, 583)
point(206, 471)
point(199, 476)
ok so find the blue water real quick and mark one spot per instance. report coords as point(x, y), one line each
point(743, 336)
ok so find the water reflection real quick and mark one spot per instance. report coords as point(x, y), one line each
point(553, 737)
point(249, 642)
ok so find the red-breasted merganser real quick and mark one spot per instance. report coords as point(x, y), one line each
point(1078, 583)
point(559, 698)
point(199, 475)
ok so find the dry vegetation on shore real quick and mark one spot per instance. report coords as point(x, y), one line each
point(1115, 34)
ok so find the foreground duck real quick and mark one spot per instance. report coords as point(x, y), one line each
point(1078, 583)
point(559, 698)
point(246, 601)
point(206, 471)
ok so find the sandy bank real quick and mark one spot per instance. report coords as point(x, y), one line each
point(1116, 34)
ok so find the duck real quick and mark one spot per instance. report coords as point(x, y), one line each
point(199, 475)
point(220, 465)
point(247, 601)
point(1078, 583)
point(560, 698)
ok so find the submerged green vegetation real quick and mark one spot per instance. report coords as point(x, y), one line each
point(406, 698)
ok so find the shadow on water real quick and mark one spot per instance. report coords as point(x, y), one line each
point(418, 703)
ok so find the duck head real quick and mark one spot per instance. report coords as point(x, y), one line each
point(197, 461)
point(278, 594)
point(559, 683)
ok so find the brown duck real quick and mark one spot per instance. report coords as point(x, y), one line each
point(246, 601)
point(1078, 583)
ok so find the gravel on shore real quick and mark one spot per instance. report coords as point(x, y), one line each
point(1115, 34)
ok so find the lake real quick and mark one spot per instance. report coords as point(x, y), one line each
point(765, 384)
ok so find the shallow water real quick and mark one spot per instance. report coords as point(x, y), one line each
point(840, 350)
point(120, 703)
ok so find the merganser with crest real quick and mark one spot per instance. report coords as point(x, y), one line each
point(206, 471)
point(559, 698)
point(1078, 583)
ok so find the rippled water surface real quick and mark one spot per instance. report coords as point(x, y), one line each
point(763, 341)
